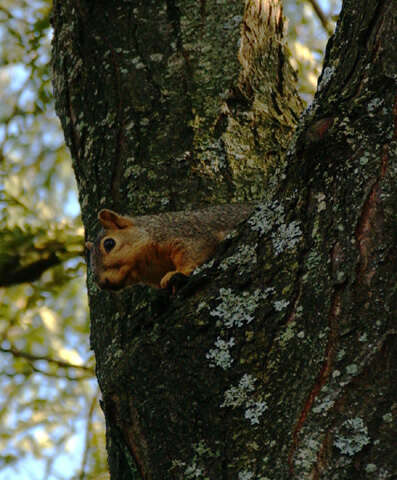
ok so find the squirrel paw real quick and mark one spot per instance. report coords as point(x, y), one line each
point(173, 281)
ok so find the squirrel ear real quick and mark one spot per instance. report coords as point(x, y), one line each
point(113, 221)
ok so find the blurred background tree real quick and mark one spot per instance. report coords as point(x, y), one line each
point(51, 424)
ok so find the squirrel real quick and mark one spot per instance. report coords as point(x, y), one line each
point(151, 249)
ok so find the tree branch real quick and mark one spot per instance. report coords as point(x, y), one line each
point(16, 274)
point(321, 16)
point(23, 261)
point(34, 358)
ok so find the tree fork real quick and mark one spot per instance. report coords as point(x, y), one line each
point(278, 361)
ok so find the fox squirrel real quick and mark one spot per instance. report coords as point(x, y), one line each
point(151, 249)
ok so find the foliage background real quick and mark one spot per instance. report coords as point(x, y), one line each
point(51, 426)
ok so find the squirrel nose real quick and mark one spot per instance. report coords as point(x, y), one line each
point(104, 283)
point(108, 285)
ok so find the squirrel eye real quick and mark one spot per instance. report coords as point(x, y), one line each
point(108, 244)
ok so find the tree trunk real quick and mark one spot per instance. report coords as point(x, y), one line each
point(278, 360)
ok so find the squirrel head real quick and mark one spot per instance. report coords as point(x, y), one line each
point(112, 256)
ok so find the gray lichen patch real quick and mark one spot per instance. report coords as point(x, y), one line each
point(351, 437)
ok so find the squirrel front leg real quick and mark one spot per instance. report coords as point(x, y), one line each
point(183, 262)
point(168, 276)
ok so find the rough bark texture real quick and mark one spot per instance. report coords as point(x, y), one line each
point(149, 93)
point(278, 360)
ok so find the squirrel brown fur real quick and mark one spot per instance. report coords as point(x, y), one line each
point(151, 249)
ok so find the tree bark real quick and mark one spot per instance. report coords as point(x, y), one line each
point(278, 360)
